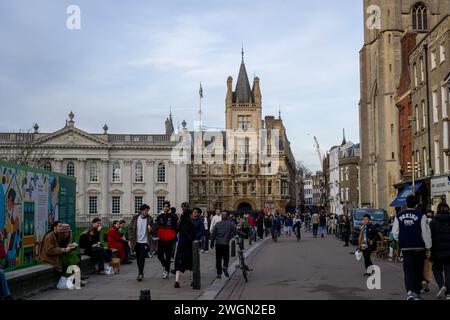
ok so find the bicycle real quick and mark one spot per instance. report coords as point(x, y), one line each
point(244, 268)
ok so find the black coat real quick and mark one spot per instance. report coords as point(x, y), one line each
point(183, 257)
point(440, 235)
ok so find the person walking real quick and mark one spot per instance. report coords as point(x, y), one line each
point(260, 225)
point(207, 234)
point(367, 242)
point(217, 218)
point(183, 257)
point(267, 224)
point(166, 229)
point(198, 221)
point(140, 233)
point(345, 227)
point(315, 220)
point(220, 238)
point(322, 224)
point(414, 237)
point(288, 224)
point(440, 250)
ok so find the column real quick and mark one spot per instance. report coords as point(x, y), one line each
point(172, 181)
point(150, 184)
point(127, 188)
point(105, 188)
point(81, 182)
point(59, 165)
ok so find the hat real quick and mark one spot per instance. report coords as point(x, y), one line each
point(65, 228)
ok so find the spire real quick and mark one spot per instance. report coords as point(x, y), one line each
point(169, 124)
point(279, 113)
point(242, 52)
point(343, 140)
point(243, 91)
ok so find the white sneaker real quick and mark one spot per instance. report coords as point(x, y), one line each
point(410, 296)
point(441, 292)
point(165, 275)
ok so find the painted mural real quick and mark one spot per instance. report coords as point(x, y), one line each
point(30, 201)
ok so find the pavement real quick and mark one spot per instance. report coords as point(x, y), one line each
point(124, 286)
point(313, 269)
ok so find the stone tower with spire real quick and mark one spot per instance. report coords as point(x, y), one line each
point(243, 105)
point(169, 125)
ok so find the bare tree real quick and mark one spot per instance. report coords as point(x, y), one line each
point(22, 148)
point(301, 168)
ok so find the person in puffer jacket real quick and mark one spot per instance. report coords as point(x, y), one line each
point(166, 230)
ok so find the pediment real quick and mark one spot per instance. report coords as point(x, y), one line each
point(72, 137)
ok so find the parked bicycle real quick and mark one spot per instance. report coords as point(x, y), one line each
point(244, 268)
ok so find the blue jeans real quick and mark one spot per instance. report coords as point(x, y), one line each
point(4, 290)
point(322, 230)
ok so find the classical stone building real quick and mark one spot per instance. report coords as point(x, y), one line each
point(237, 178)
point(385, 23)
point(308, 190)
point(115, 173)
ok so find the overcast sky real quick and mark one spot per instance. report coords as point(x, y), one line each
point(133, 60)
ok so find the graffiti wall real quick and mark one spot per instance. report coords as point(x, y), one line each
point(30, 201)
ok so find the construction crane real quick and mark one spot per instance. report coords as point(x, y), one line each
point(318, 152)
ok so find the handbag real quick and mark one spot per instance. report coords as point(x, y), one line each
point(65, 283)
point(108, 269)
point(427, 270)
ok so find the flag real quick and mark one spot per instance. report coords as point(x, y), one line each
point(200, 91)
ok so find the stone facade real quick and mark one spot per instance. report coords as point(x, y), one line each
point(380, 69)
point(349, 177)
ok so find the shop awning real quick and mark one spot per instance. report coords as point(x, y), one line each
point(400, 201)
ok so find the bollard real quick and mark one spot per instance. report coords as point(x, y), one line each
point(250, 236)
point(196, 285)
point(145, 295)
point(233, 248)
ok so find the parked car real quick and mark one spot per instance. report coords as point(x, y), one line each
point(379, 218)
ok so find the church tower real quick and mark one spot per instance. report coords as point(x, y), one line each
point(243, 105)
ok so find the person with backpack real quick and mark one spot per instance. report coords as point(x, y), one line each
point(440, 251)
point(413, 233)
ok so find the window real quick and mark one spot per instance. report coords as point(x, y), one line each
point(435, 107)
point(48, 166)
point(269, 187)
point(444, 97)
point(437, 163)
point(346, 194)
point(417, 118)
point(70, 169)
point(424, 115)
point(422, 70)
point(253, 187)
point(419, 17)
point(419, 169)
point(116, 205)
point(235, 187)
point(342, 174)
point(442, 52)
point(138, 201)
point(284, 187)
point(93, 174)
point(244, 122)
point(346, 173)
point(160, 202)
point(138, 172)
point(93, 205)
point(203, 184)
point(433, 60)
point(161, 172)
point(218, 187)
point(116, 174)
point(416, 80)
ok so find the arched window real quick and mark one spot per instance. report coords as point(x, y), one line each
point(138, 172)
point(48, 166)
point(420, 17)
point(70, 169)
point(161, 172)
point(116, 172)
point(93, 174)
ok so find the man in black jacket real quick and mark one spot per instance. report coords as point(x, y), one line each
point(367, 241)
point(440, 251)
point(221, 236)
